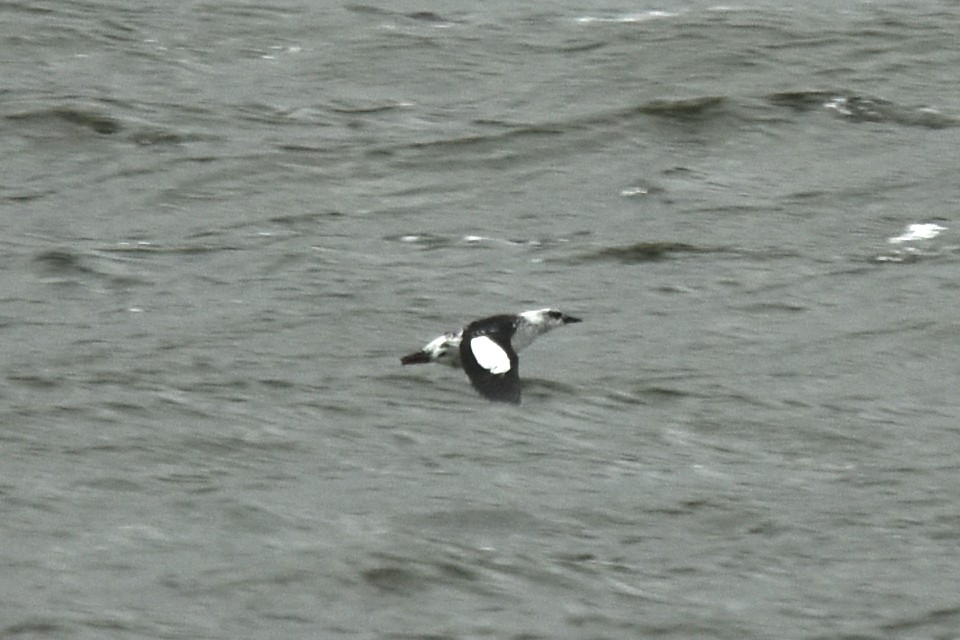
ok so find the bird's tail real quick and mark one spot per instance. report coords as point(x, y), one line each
point(418, 357)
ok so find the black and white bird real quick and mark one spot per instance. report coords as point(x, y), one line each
point(487, 349)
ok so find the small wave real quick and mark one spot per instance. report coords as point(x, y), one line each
point(83, 117)
point(435, 241)
point(916, 241)
point(865, 109)
point(682, 108)
point(653, 251)
point(425, 240)
point(62, 261)
point(497, 133)
point(420, 16)
point(151, 135)
point(187, 249)
point(367, 107)
point(858, 108)
point(72, 119)
point(640, 252)
point(918, 232)
point(68, 268)
point(35, 627)
point(628, 18)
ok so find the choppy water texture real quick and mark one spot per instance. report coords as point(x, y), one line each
point(226, 221)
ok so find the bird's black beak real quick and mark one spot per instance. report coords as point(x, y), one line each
point(570, 319)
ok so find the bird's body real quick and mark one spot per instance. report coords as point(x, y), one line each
point(487, 349)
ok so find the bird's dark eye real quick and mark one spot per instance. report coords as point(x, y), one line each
point(556, 315)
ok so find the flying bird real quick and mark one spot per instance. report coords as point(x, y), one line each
point(487, 349)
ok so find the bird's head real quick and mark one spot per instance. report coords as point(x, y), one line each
point(546, 319)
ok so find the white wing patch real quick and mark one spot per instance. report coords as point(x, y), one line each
point(490, 355)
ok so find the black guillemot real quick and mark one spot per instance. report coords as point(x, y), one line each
point(487, 349)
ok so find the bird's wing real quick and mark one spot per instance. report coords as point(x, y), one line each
point(491, 364)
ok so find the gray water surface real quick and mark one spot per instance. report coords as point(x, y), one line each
point(225, 223)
